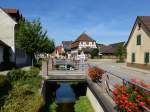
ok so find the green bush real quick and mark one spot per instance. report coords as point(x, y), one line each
point(94, 52)
point(19, 74)
point(34, 71)
point(25, 95)
point(83, 105)
point(53, 107)
point(23, 99)
point(4, 83)
point(38, 64)
point(16, 74)
point(2, 80)
point(5, 86)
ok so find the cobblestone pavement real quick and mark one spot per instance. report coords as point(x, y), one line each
point(122, 70)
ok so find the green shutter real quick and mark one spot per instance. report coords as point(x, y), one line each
point(146, 57)
point(139, 40)
point(133, 57)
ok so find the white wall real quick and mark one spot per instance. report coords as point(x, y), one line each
point(95, 104)
point(7, 31)
point(87, 44)
point(1, 54)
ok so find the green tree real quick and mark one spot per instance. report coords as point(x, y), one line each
point(32, 38)
point(94, 52)
point(120, 52)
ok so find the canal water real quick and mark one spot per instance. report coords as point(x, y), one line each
point(64, 94)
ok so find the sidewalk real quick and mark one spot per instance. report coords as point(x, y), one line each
point(5, 72)
point(123, 65)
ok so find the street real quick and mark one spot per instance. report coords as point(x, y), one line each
point(122, 70)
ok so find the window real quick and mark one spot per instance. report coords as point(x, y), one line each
point(146, 57)
point(139, 26)
point(139, 40)
point(133, 57)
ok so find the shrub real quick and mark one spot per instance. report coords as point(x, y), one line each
point(53, 107)
point(23, 99)
point(19, 74)
point(25, 95)
point(33, 72)
point(95, 73)
point(2, 80)
point(83, 105)
point(94, 52)
point(38, 64)
point(130, 98)
point(5, 86)
point(16, 74)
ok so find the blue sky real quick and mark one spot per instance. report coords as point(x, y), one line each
point(107, 21)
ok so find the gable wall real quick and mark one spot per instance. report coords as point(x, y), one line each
point(139, 50)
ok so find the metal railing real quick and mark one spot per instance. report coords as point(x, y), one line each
point(69, 65)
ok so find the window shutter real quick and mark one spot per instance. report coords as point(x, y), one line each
point(146, 57)
point(139, 40)
point(133, 57)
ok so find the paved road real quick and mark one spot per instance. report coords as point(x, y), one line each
point(120, 69)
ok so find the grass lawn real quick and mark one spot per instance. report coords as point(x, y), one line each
point(83, 105)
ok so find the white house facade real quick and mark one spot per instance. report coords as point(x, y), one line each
point(7, 32)
point(8, 23)
point(83, 43)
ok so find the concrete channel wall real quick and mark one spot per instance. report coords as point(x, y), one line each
point(94, 102)
point(100, 101)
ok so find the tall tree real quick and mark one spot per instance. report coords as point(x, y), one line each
point(33, 39)
point(94, 52)
point(120, 52)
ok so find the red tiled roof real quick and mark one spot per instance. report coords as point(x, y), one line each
point(74, 44)
point(10, 10)
point(84, 37)
point(146, 21)
point(13, 13)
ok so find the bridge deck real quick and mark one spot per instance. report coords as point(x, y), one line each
point(66, 75)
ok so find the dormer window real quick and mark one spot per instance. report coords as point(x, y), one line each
point(138, 39)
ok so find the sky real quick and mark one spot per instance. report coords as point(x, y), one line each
point(106, 21)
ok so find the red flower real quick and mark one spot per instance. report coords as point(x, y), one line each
point(115, 85)
point(131, 97)
point(142, 103)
